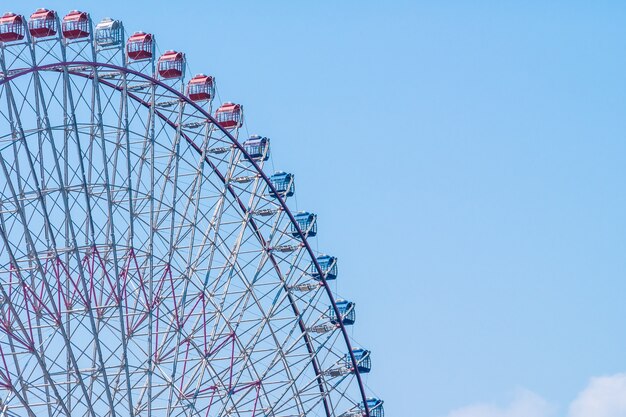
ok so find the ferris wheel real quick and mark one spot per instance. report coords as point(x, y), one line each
point(148, 264)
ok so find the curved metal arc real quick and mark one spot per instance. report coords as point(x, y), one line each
point(236, 143)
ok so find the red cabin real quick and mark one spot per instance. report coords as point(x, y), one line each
point(230, 115)
point(201, 87)
point(76, 25)
point(171, 64)
point(139, 46)
point(11, 27)
point(43, 23)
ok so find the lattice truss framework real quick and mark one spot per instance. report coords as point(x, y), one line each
point(145, 269)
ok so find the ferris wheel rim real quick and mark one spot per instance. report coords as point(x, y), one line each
point(14, 74)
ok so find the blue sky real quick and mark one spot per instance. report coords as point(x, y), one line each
point(467, 162)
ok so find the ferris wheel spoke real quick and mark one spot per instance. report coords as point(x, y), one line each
point(277, 344)
point(70, 113)
point(124, 129)
point(149, 146)
point(179, 316)
point(133, 196)
point(218, 211)
point(195, 214)
point(265, 321)
point(214, 225)
point(23, 393)
point(249, 364)
point(48, 229)
point(97, 103)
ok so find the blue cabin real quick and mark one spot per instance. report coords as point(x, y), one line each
point(363, 360)
point(258, 148)
point(283, 183)
point(375, 406)
point(307, 222)
point(346, 310)
point(328, 265)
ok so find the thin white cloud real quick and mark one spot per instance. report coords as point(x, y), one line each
point(602, 397)
point(525, 404)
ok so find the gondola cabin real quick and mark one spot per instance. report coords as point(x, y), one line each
point(230, 115)
point(307, 223)
point(375, 407)
point(346, 311)
point(201, 87)
point(139, 46)
point(171, 64)
point(109, 33)
point(283, 183)
point(76, 25)
point(11, 27)
point(257, 147)
point(42, 23)
point(328, 264)
point(363, 360)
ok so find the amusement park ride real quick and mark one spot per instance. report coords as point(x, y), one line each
point(148, 264)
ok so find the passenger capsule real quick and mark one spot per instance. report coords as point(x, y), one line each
point(375, 406)
point(108, 33)
point(171, 64)
point(284, 184)
point(307, 223)
point(76, 25)
point(11, 27)
point(201, 87)
point(363, 360)
point(43, 23)
point(230, 115)
point(346, 311)
point(139, 46)
point(328, 265)
point(257, 147)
